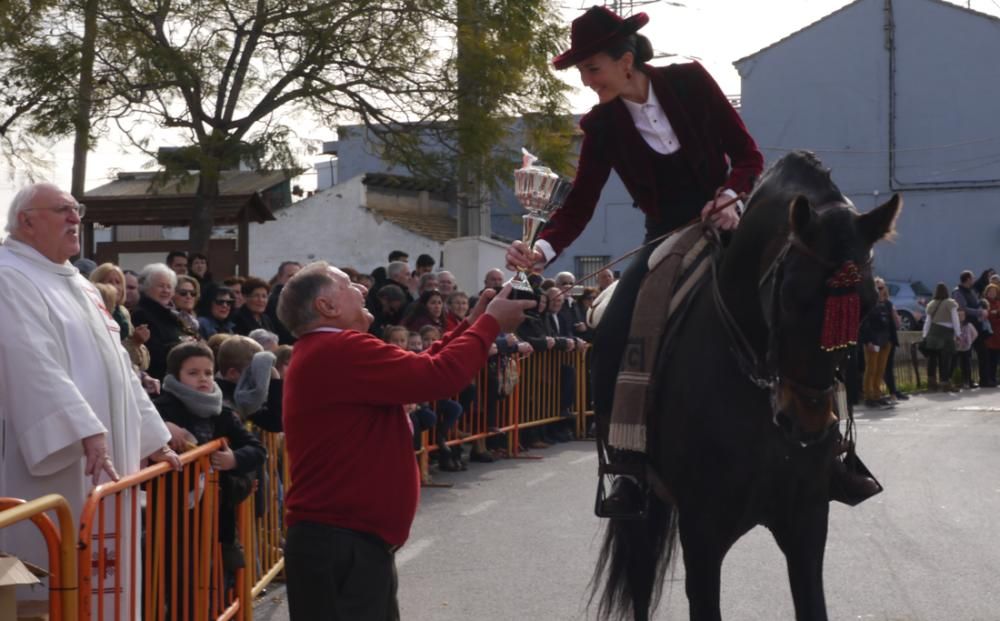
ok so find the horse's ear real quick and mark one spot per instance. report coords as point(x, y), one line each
point(800, 214)
point(880, 223)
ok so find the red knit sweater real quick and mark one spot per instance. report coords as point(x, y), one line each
point(350, 445)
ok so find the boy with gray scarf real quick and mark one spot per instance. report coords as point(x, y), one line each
point(192, 401)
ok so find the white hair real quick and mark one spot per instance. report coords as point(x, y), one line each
point(397, 267)
point(265, 338)
point(564, 275)
point(154, 269)
point(23, 199)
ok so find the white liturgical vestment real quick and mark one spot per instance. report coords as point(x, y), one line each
point(64, 375)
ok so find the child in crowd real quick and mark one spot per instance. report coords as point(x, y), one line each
point(963, 348)
point(191, 405)
point(421, 418)
point(249, 383)
point(414, 342)
point(215, 341)
point(283, 357)
point(429, 334)
point(448, 412)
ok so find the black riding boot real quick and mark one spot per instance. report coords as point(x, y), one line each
point(627, 498)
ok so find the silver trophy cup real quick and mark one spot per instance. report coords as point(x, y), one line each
point(541, 192)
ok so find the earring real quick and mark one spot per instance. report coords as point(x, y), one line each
point(628, 74)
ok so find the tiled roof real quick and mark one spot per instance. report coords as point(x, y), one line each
point(439, 228)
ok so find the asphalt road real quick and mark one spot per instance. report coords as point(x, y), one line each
point(517, 540)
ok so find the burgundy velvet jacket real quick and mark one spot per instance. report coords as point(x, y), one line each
point(712, 136)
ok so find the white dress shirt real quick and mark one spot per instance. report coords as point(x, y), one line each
point(653, 124)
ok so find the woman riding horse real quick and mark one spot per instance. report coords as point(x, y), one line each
point(675, 140)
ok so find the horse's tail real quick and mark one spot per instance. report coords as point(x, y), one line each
point(633, 562)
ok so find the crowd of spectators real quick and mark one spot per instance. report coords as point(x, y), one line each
point(179, 302)
point(962, 324)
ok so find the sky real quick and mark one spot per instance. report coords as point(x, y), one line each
point(715, 32)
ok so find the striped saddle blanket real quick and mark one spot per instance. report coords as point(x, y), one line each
point(676, 268)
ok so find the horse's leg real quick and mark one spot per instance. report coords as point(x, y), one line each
point(802, 538)
point(703, 554)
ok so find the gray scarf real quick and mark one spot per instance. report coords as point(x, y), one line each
point(201, 404)
point(251, 390)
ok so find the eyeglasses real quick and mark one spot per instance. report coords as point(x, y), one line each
point(224, 302)
point(188, 293)
point(63, 210)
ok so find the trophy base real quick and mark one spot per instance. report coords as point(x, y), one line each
point(520, 289)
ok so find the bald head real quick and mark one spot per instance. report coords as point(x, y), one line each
point(493, 278)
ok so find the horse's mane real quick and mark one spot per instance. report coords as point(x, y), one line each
point(797, 173)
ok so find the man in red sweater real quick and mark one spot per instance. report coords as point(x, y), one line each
point(355, 482)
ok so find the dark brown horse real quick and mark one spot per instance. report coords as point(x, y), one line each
point(748, 432)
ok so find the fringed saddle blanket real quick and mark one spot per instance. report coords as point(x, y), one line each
point(675, 268)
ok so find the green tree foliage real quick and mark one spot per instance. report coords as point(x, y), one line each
point(503, 95)
point(39, 59)
point(231, 73)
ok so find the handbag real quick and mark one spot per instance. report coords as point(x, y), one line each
point(509, 374)
point(938, 337)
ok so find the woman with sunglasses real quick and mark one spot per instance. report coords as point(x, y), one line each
point(215, 311)
point(185, 297)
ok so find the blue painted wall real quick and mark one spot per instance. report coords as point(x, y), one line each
point(916, 78)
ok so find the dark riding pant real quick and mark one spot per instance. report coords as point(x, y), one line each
point(612, 334)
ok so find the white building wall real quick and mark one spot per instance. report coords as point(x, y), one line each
point(333, 226)
point(469, 258)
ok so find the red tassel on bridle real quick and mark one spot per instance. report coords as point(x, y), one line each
point(842, 315)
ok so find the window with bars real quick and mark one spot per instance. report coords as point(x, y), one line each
point(587, 264)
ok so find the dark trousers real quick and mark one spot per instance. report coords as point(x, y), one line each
point(964, 361)
point(991, 367)
point(939, 365)
point(982, 357)
point(611, 337)
point(890, 372)
point(334, 574)
point(422, 420)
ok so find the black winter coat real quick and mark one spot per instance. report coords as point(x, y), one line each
point(244, 322)
point(165, 331)
point(248, 450)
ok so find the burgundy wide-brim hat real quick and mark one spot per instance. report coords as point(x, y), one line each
point(596, 30)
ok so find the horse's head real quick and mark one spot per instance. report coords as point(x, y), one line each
point(822, 287)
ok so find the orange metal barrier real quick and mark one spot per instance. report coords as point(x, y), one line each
point(534, 401)
point(177, 532)
point(62, 556)
point(264, 512)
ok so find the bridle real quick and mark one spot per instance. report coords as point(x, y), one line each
point(767, 373)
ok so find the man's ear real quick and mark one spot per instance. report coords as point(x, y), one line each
point(325, 307)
